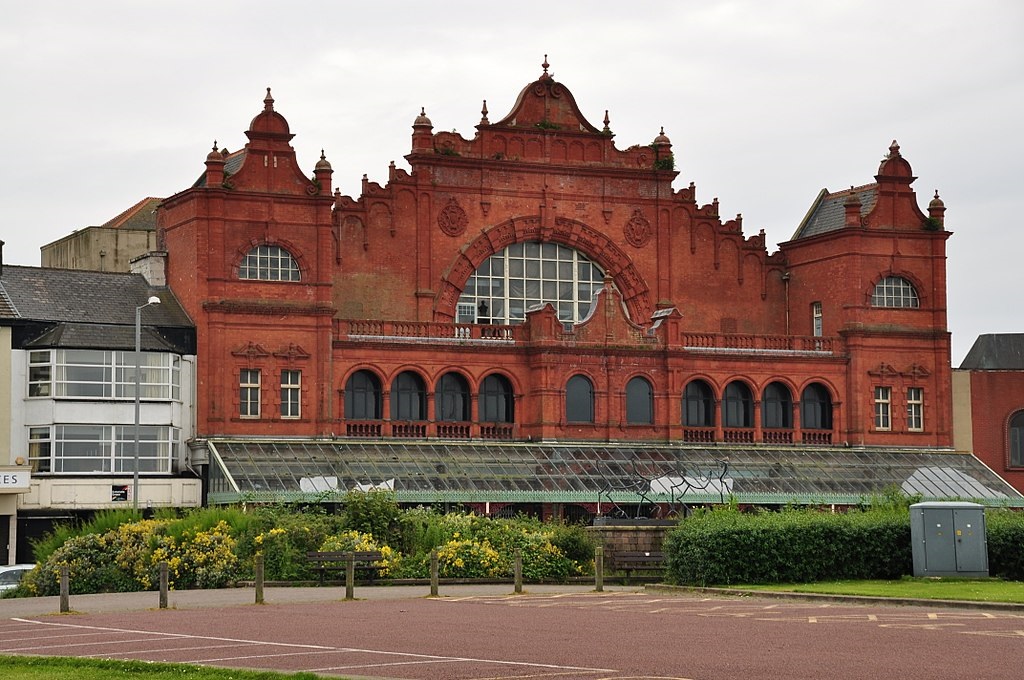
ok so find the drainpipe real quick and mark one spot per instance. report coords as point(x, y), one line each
point(785, 281)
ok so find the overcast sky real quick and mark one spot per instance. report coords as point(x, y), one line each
point(766, 103)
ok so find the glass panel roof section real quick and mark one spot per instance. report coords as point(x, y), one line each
point(421, 472)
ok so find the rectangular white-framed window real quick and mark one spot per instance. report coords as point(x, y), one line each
point(39, 448)
point(102, 449)
point(883, 408)
point(291, 394)
point(40, 374)
point(101, 374)
point(915, 409)
point(249, 393)
point(816, 319)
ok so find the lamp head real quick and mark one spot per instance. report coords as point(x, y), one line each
point(153, 300)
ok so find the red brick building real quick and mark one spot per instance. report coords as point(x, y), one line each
point(536, 283)
point(989, 404)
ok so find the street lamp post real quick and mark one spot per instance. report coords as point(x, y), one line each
point(153, 300)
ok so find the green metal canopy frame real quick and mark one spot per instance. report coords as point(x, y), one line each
point(262, 470)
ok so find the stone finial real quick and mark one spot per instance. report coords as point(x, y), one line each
point(606, 121)
point(268, 102)
point(483, 114)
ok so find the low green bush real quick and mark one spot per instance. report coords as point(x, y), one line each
point(1005, 535)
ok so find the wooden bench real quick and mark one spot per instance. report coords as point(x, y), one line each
point(649, 563)
point(367, 562)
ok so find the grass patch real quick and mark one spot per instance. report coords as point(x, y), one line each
point(64, 668)
point(972, 590)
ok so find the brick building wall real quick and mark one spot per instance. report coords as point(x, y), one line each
point(687, 295)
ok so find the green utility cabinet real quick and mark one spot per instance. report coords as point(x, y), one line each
point(948, 539)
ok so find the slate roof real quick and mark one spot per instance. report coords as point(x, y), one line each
point(996, 352)
point(828, 213)
point(88, 309)
point(232, 164)
point(468, 471)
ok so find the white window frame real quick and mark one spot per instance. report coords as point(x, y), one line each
point(528, 274)
point(291, 394)
point(816, 319)
point(895, 292)
point(249, 393)
point(269, 263)
point(88, 449)
point(915, 409)
point(91, 374)
point(883, 408)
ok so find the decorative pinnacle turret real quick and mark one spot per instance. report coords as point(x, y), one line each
point(268, 102)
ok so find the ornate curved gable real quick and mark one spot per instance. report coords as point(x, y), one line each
point(546, 104)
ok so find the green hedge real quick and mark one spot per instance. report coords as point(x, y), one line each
point(1005, 533)
point(726, 546)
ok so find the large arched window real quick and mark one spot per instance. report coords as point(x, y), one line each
point(579, 400)
point(776, 407)
point(698, 405)
point(452, 398)
point(362, 397)
point(269, 263)
point(816, 408)
point(639, 402)
point(737, 406)
point(528, 274)
point(1017, 440)
point(496, 402)
point(895, 291)
point(408, 397)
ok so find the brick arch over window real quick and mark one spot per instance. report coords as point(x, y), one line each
point(915, 288)
point(251, 248)
point(593, 244)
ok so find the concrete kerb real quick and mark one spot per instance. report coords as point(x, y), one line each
point(96, 603)
point(237, 597)
point(839, 599)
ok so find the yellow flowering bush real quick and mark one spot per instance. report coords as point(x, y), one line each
point(131, 545)
point(199, 559)
point(355, 541)
point(461, 558)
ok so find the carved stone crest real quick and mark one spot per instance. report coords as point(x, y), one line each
point(452, 219)
point(637, 230)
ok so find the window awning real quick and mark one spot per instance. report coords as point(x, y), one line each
point(259, 470)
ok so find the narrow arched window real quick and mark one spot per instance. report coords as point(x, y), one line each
point(816, 408)
point(496, 403)
point(452, 398)
point(1017, 440)
point(895, 291)
point(269, 263)
point(408, 397)
point(579, 400)
point(362, 396)
point(698, 405)
point(738, 406)
point(776, 407)
point(639, 402)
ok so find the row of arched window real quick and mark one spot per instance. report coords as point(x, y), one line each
point(496, 403)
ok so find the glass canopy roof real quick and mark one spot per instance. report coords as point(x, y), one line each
point(428, 472)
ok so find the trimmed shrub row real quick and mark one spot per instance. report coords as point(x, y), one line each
point(725, 546)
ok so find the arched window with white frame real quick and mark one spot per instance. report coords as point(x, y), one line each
point(269, 263)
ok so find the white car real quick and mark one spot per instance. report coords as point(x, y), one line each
point(10, 575)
